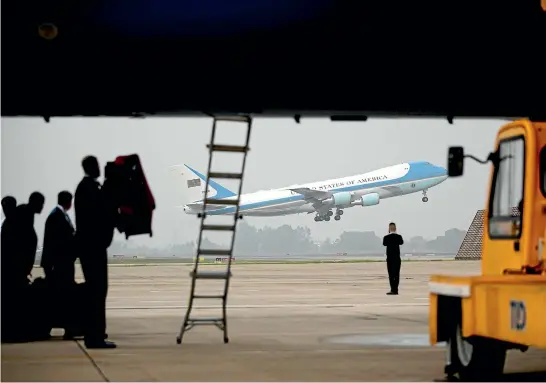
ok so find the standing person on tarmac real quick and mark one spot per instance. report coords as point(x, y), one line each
point(9, 207)
point(58, 261)
point(392, 242)
point(93, 235)
point(9, 254)
point(26, 240)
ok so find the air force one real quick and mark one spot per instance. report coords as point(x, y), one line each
point(321, 198)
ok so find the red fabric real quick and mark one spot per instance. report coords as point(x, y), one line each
point(126, 210)
point(120, 160)
point(132, 219)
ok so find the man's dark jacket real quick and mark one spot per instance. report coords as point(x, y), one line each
point(393, 242)
point(59, 252)
point(94, 226)
point(25, 241)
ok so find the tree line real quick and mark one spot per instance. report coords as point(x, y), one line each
point(286, 239)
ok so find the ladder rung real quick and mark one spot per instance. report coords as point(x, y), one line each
point(228, 148)
point(214, 252)
point(236, 118)
point(218, 227)
point(205, 320)
point(212, 201)
point(208, 296)
point(237, 176)
point(210, 274)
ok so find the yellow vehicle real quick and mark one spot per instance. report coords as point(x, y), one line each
point(481, 317)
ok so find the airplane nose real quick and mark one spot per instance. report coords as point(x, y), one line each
point(185, 208)
point(443, 173)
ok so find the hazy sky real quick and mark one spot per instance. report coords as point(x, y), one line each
point(46, 157)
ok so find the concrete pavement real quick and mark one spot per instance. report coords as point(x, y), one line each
point(286, 323)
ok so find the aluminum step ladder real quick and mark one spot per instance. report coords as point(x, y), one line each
point(197, 273)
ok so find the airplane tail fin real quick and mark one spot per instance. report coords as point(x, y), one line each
point(193, 183)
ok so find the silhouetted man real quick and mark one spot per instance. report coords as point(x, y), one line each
point(26, 237)
point(23, 305)
point(58, 253)
point(58, 258)
point(93, 237)
point(9, 254)
point(392, 242)
point(9, 206)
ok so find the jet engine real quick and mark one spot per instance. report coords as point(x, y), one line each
point(340, 199)
point(368, 200)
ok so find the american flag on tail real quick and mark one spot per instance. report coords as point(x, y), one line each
point(194, 183)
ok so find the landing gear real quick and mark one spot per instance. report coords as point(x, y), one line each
point(337, 217)
point(325, 216)
point(425, 198)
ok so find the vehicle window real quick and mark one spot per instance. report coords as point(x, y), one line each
point(506, 206)
point(543, 171)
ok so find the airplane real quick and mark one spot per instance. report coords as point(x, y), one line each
point(321, 198)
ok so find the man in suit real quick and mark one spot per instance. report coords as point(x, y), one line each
point(9, 206)
point(25, 244)
point(392, 242)
point(93, 235)
point(26, 239)
point(58, 253)
point(9, 254)
point(58, 261)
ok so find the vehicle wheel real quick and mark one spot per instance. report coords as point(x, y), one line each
point(337, 217)
point(327, 218)
point(178, 340)
point(340, 212)
point(317, 219)
point(481, 360)
point(330, 213)
point(425, 199)
point(226, 340)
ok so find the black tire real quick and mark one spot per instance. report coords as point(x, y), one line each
point(226, 340)
point(178, 341)
point(481, 360)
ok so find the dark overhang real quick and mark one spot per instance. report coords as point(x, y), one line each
point(324, 57)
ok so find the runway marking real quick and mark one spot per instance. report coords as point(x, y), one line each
point(273, 306)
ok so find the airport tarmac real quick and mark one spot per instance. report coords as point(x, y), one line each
point(307, 322)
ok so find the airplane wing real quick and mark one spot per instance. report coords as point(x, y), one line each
point(314, 196)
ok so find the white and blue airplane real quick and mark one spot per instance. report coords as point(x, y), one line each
point(321, 198)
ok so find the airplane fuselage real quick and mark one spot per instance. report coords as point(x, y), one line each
point(361, 190)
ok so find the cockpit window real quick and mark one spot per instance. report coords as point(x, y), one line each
point(506, 202)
